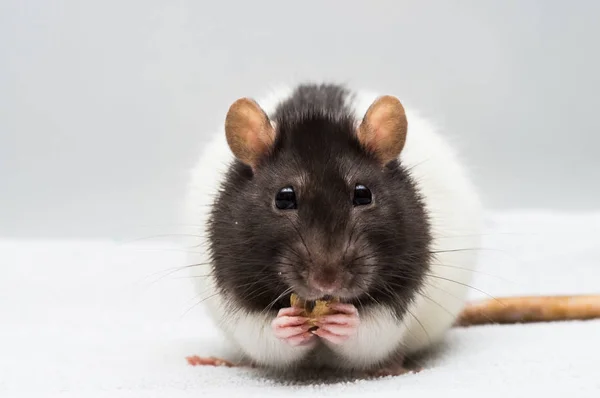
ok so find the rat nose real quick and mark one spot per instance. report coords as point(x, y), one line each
point(326, 280)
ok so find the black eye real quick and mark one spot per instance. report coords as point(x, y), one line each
point(286, 199)
point(362, 195)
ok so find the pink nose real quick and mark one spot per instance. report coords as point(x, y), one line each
point(326, 281)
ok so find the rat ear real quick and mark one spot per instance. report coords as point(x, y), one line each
point(249, 132)
point(383, 128)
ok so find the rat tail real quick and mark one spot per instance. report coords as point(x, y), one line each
point(530, 309)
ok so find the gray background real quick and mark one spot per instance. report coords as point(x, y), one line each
point(103, 105)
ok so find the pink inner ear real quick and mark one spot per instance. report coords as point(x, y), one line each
point(383, 130)
point(248, 130)
point(257, 140)
point(374, 135)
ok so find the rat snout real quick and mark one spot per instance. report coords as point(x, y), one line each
point(324, 270)
point(326, 280)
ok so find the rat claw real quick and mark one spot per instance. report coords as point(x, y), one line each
point(301, 339)
point(331, 337)
point(344, 308)
point(287, 332)
point(291, 328)
point(288, 321)
point(339, 319)
point(290, 311)
point(338, 328)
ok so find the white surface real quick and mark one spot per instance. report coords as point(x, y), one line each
point(87, 319)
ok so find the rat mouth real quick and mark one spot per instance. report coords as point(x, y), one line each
point(312, 295)
point(312, 286)
point(327, 297)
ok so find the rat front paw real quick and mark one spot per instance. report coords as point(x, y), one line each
point(339, 327)
point(292, 328)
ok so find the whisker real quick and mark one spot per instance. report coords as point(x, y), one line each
point(160, 236)
point(467, 249)
point(349, 241)
point(420, 324)
point(200, 302)
point(172, 271)
point(474, 271)
point(301, 237)
point(372, 298)
point(391, 295)
point(436, 303)
point(286, 291)
point(392, 283)
point(466, 285)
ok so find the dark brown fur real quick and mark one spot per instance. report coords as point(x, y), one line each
point(379, 253)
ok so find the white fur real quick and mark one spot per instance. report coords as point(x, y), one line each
point(455, 211)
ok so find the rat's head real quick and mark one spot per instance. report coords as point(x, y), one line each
point(318, 204)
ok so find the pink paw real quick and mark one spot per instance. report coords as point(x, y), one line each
point(292, 328)
point(339, 327)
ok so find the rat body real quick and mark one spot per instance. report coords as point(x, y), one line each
point(320, 190)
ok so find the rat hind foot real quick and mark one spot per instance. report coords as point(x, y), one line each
point(195, 360)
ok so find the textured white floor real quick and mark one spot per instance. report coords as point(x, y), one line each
point(92, 319)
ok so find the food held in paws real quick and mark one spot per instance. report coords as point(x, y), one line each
point(313, 309)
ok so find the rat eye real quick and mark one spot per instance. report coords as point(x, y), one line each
point(286, 199)
point(362, 195)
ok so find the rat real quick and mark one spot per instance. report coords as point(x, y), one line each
point(323, 190)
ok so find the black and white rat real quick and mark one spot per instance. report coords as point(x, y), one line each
point(324, 191)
